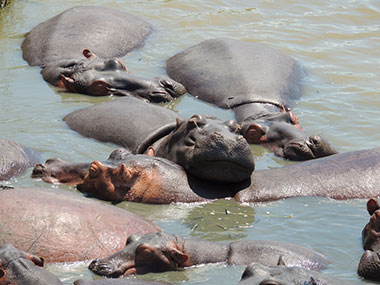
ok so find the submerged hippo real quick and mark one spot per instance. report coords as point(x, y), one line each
point(21, 268)
point(283, 275)
point(258, 83)
point(63, 226)
point(66, 46)
point(160, 252)
point(146, 179)
point(15, 159)
point(369, 265)
point(204, 146)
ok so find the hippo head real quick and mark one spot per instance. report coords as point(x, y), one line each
point(369, 266)
point(209, 149)
point(18, 267)
point(56, 171)
point(100, 77)
point(152, 252)
point(282, 133)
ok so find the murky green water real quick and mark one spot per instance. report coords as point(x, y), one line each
point(337, 41)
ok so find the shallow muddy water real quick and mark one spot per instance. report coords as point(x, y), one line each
point(338, 42)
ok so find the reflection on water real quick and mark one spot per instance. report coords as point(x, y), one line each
point(336, 41)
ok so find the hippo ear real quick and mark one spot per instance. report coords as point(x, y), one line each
point(88, 54)
point(68, 83)
point(95, 168)
point(281, 261)
point(179, 257)
point(195, 122)
point(179, 122)
point(151, 152)
point(372, 206)
point(254, 134)
point(39, 261)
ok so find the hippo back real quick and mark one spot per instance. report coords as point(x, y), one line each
point(229, 73)
point(15, 159)
point(126, 121)
point(106, 32)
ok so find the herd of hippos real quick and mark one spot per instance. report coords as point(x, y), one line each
point(168, 159)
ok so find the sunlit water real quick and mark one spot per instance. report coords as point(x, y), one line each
point(337, 41)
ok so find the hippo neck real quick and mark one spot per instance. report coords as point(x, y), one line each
point(202, 251)
point(155, 136)
point(258, 111)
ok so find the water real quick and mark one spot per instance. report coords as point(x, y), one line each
point(337, 41)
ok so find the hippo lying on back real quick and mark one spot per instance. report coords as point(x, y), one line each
point(15, 159)
point(160, 252)
point(258, 83)
point(65, 47)
point(204, 146)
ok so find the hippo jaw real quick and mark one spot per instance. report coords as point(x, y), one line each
point(209, 149)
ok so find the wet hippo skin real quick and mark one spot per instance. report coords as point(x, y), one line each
point(204, 146)
point(160, 252)
point(63, 227)
point(22, 268)
point(258, 83)
point(78, 52)
point(15, 159)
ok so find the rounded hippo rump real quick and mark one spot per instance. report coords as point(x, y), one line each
point(283, 275)
point(106, 32)
point(204, 146)
point(77, 50)
point(258, 83)
point(160, 252)
point(64, 227)
point(341, 176)
point(15, 159)
point(21, 268)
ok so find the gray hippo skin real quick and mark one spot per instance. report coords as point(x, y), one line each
point(77, 50)
point(15, 159)
point(341, 176)
point(369, 265)
point(123, 281)
point(258, 274)
point(160, 252)
point(61, 226)
point(204, 146)
point(21, 268)
point(258, 83)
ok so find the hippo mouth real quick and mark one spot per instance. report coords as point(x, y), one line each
point(220, 170)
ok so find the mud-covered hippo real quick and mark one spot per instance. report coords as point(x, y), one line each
point(258, 83)
point(63, 227)
point(204, 146)
point(77, 50)
point(160, 252)
point(15, 159)
point(21, 268)
point(256, 274)
point(369, 265)
point(340, 176)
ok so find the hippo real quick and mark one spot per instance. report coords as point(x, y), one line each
point(123, 281)
point(258, 83)
point(369, 265)
point(84, 60)
point(21, 268)
point(128, 177)
point(204, 146)
point(340, 176)
point(160, 252)
point(3, 3)
point(15, 159)
point(257, 273)
point(61, 226)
